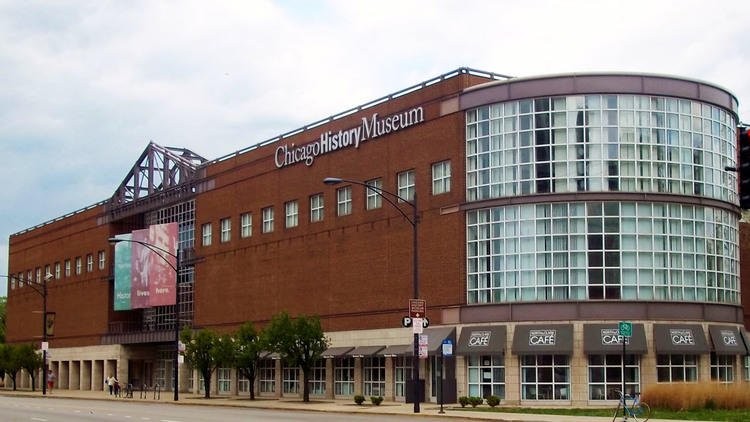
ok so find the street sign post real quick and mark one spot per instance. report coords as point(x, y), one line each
point(625, 329)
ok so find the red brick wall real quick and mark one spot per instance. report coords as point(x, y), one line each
point(81, 302)
point(745, 270)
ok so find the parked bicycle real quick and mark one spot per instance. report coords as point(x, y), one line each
point(631, 408)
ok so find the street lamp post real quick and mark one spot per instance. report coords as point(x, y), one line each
point(414, 221)
point(40, 287)
point(161, 252)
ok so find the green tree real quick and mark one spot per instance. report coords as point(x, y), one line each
point(10, 361)
point(206, 350)
point(3, 302)
point(299, 341)
point(249, 346)
point(30, 360)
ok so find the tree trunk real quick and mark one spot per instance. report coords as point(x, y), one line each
point(33, 381)
point(207, 386)
point(252, 387)
point(305, 385)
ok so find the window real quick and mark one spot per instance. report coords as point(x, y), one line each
point(486, 376)
point(226, 229)
point(722, 368)
point(343, 376)
point(224, 378)
point(373, 198)
point(344, 201)
point(545, 377)
point(47, 270)
point(268, 220)
point(57, 271)
point(243, 385)
point(38, 275)
point(102, 259)
point(246, 225)
point(373, 369)
point(406, 183)
point(206, 230)
point(402, 369)
point(317, 383)
point(267, 375)
point(292, 214)
point(316, 208)
point(441, 177)
point(89, 263)
point(676, 368)
point(67, 268)
point(79, 265)
point(605, 376)
point(290, 379)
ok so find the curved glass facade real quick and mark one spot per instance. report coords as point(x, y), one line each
point(619, 248)
point(627, 143)
point(602, 250)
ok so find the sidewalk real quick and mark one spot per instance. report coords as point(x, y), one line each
point(339, 406)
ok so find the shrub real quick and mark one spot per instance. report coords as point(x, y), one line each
point(376, 400)
point(687, 396)
point(359, 399)
point(463, 401)
point(493, 401)
point(475, 401)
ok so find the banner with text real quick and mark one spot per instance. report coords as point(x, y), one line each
point(145, 263)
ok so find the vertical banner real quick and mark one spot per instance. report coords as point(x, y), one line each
point(145, 263)
point(122, 273)
point(162, 263)
point(140, 261)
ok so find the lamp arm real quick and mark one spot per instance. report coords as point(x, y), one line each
point(389, 197)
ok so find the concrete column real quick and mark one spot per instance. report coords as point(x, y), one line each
point(512, 379)
point(330, 375)
point(279, 372)
point(215, 383)
point(462, 382)
point(62, 376)
point(389, 393)
point(123, 365)
point(358, 376)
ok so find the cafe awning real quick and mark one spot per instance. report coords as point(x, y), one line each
point(542, 339)
point(397, 350)
point(482, 339)
point(435, 337)
point(334, 352)
point(364, 351)
point(726, 340)
point(605, 339)
point(680, 338)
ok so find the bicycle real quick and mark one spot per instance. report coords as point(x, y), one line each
point(637, 410)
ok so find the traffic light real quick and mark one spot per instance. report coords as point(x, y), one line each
point(743, 169)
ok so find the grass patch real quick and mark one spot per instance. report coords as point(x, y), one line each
point(733, 415)
point(679, 401)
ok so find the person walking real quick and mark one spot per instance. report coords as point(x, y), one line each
point(111, 384)
point(50, 380)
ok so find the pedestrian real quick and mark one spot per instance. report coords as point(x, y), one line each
point(50, 380)
point(117, 388)
point(111, 384)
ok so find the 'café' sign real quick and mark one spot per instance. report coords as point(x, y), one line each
point(682, 336)
point(479, 338)
point(612, 337)
point(542, 337)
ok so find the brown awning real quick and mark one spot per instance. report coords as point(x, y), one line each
point(605, 339)
point(397, 350)
point(547, 338)
point(435, 337)
point(363, 351)
point(334, 352)
point(482, 339)
point(680, 338)
point(726, 340)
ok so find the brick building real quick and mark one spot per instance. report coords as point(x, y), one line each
point(549, 209)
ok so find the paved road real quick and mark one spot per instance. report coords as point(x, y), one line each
point(37, 409)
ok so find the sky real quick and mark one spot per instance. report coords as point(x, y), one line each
point(85, 85)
